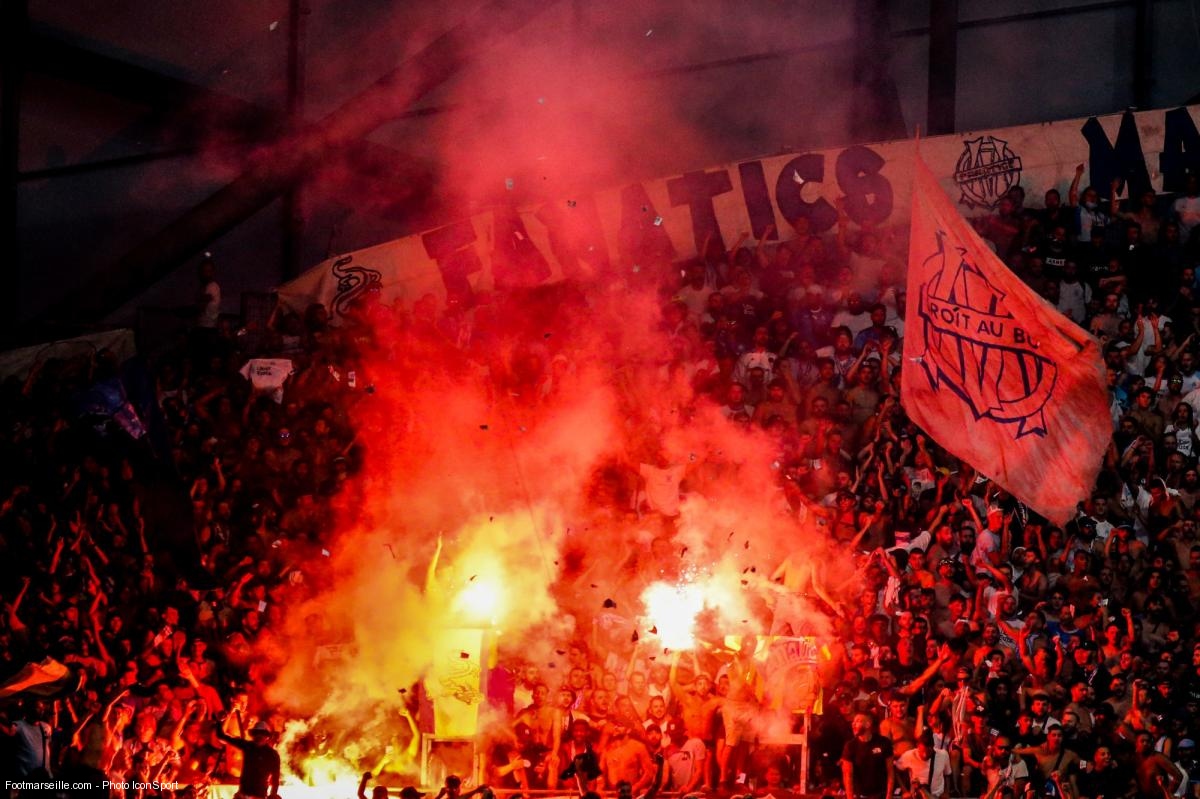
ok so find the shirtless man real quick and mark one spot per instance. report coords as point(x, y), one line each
point(1156, 775)
point(897, 728)
point(1054, 761)
point(697, 702)
point(639, 691)
point(626, 759)
point(801, 585)
point(546, 723)
point(741, 706)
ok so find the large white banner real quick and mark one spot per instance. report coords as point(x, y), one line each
point(605, 233)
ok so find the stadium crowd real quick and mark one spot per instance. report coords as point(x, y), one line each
point(158, 518)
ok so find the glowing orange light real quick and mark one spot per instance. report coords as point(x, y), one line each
point(481, 601)
point(673, 609)
point(327, 776)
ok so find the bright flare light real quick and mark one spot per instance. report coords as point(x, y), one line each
point(673, 609)
point(327, 776)
point(482, 600)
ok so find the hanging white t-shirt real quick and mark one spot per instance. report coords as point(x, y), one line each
point(268, 375)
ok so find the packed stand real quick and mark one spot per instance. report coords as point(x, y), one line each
point(980, 652)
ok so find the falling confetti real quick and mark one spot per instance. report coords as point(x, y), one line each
point(273, 26)
point(650, 31)
point(508, 183)
point(570, 203)
point(634, 637)
point(658, 221)
point(472, 578)
point(796, 177)
point(654, 630)
point(747, 545)
point(464, 655)
point(325, 552)
point(483, 427)
point(683, 552)
point(608, 603)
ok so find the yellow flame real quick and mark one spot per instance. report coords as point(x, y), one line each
point(481, 601)
point(331, 775)
point(673, 609)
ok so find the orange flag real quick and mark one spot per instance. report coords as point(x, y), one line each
point(992, 371)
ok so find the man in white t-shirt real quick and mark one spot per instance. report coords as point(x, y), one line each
point(685, 757)
point(987, 539)
point(854, 315)
point(927, 769)
point(1001, 766)
point(1073, 294)
point(209, 301)
point(1187, 208)
point(662, 487)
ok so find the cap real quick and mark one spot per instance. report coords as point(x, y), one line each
point(1187, 743)
point(409, 792)
point(260, 727)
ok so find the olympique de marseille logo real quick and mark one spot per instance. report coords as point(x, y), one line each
point(977, 350)
point(985, 171)
point(352, 283)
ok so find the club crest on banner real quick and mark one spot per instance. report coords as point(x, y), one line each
point(985, 171)
point(352, 283)
point(977, 350)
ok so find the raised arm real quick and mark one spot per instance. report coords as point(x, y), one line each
point(1073, 192)
point(925, 676)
